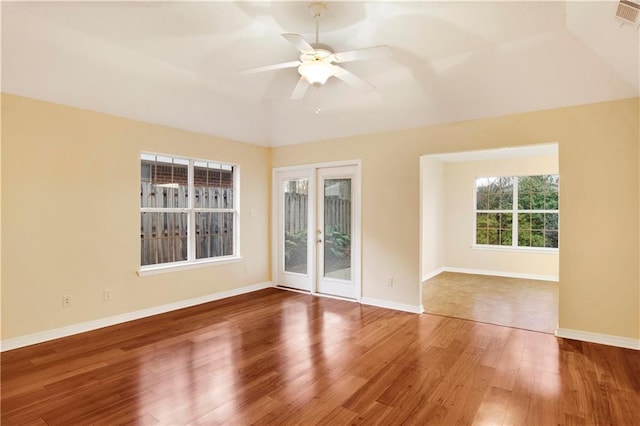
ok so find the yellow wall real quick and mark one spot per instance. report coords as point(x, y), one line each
point(459, 178)
point(433, 215)
point(70, 202)
point(70, 216)
point(598, 156)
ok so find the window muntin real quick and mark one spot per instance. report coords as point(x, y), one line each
point(532, 200)
point(188, 210)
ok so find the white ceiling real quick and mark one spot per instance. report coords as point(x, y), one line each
point(177, 63)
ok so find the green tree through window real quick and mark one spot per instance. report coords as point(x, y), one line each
point(532, 200)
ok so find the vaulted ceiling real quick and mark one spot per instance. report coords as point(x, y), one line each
point(177, 63)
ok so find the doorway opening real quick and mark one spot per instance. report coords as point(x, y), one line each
point(489, 236)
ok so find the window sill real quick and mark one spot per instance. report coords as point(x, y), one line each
point(181, 266)
point(540, 250)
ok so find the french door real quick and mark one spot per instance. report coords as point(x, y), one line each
point(334, 231)
point(317, 230)
point(295, 238)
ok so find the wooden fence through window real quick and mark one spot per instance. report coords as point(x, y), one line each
point(164, 234)
point(337, 213)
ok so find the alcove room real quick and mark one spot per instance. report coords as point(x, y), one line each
point(490, 225)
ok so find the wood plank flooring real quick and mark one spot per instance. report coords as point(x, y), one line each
point(277, 357)
point(513, 302)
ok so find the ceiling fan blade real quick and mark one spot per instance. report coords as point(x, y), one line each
point(352, 79)
point(298, 42)
point(271, 67)
point(366, 53)
point(300, 89)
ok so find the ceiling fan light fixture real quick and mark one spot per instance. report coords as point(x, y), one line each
point(317, 72)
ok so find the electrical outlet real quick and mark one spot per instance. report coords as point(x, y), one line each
point(66, 301)
point(107, 294)
point(389, 281)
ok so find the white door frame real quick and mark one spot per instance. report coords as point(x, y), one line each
point(356, 231)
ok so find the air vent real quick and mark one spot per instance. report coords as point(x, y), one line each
point(627, 12)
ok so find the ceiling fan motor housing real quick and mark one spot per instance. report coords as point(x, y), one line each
point(322, 52)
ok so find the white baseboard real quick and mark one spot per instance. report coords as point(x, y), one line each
point(414, 309)
point(56, 333)
point(501, 274)
point(432, 274)
point(603, 339)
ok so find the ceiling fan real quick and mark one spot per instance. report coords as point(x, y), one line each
point(318, 61)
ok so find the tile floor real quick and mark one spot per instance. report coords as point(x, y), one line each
point(513, 302)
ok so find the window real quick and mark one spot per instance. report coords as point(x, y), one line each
point(188, 210)
point(520, 211)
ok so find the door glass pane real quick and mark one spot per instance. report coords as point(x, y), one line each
point(296, 204)
point(337, 228)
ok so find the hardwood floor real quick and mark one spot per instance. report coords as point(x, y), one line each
point(277, 357)
point(513, 302)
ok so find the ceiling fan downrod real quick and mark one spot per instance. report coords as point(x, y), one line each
point(317, 9)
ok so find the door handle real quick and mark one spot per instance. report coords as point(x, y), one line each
point(318, 241)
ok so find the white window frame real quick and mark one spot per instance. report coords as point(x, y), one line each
point(191, 211)
point(514, 211)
